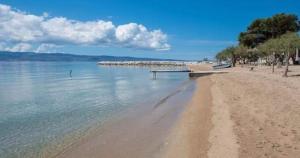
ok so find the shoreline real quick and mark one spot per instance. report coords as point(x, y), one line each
point(226, 115)
point(138, 132)
point(186, 138)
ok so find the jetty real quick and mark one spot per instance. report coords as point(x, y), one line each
point(155, 71)
point(168, 70)
point(142, 63)
point(192, 74)
point(205, 73)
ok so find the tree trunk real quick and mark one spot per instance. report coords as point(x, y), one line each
point(273, 62)
point(294, 60)
point(297, 56)
point(286, 64)
point(233, 60)
point(279, 62)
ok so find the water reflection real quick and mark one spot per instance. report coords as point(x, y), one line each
point(41, 105)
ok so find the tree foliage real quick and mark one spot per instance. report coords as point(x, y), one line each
point(227, 54)
point(281, 45)
point(237, 53)
point(261, 30)
point(273, 39)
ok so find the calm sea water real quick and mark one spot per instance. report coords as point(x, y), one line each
point(42, 107)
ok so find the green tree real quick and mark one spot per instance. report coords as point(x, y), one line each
point(260, 30)
point(228, 54)
point(241, 53)
point(270, 50)
point(289, 43)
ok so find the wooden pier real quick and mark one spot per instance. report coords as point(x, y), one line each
point(165, 71)
point(142, 63)
point(192, 74)
point(205, 73)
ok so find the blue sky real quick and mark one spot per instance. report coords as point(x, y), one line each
point(193, 29)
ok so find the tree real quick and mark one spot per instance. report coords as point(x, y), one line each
point(228, 54)
point(289, 43)
point(270, 48)
point(284, 23)
point(241, 53)
point(221, 56)
point(260, 30)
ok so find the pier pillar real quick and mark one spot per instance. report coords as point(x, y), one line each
point(154, 75)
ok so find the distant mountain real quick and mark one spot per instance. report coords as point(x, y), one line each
point(29, 56)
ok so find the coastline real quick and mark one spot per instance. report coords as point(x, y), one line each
point(237, 114)
point(138, 132)
point(189, 136)
point(149, 79)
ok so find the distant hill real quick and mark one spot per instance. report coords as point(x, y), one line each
point(30, 56)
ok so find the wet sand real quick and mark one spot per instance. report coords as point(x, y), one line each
point(140, 132)
point(189, 137)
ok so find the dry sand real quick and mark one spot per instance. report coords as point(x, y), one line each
point(243, 113)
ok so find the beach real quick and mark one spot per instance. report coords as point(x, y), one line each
point(240, 114)
point(149, 79)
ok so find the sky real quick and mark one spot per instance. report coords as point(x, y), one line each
point(173, 29)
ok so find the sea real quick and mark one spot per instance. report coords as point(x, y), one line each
point(47, 106)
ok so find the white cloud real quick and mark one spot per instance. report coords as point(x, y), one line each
point(59, 30)
point(16, 26)
point(133, 34)
point(19, 29)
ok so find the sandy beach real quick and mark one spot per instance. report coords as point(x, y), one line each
point(149, 79)
point(240, 114)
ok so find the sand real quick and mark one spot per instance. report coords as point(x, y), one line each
point(139, 132)
point(240, 114)
point(189, 136)
point(247, 114)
